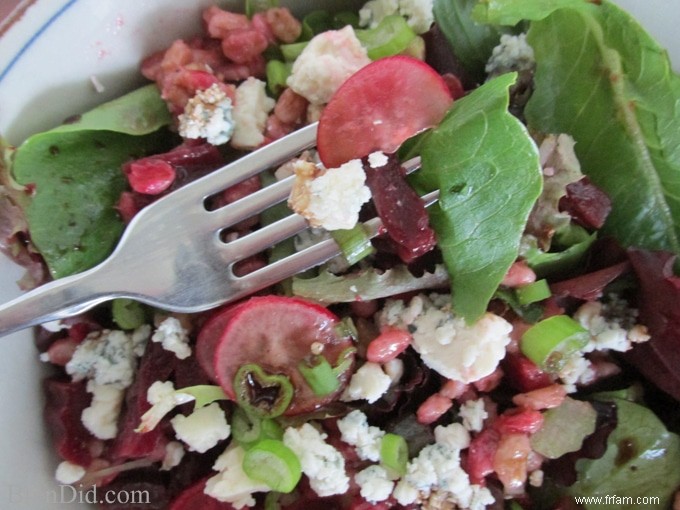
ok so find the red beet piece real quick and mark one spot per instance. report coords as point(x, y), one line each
point(401, 210)
point(587, 204)
point(64, 405)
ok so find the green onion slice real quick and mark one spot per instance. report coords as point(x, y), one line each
point(354, 243)
point(277, 74)
point(391, 37)
point(533, 292)
point(273, 463)
point(551, 341)
point(319, 375)
point(292, 51)
point(247, 430)
point(394, 453)
point(128, 313)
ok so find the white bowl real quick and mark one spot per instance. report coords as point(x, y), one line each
point(49, 56)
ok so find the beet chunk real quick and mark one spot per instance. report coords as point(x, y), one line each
point(587, 204)
point(401, 209)
point(157, 364)
point(65, 402)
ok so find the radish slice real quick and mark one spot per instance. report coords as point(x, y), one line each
point(276, 334)
point(379, 107)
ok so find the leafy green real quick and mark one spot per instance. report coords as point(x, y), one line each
point(472, 42)
point(366, 284)
point(642, 459)
point(486, 167)
point(204, 394)
point(75, 173)
point(512, 12)
point(601, 78)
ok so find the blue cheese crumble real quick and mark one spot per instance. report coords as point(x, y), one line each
point(329, 198)
point(366, 439)
point(173, 337)
point(208, 114)
point(513, 53)
point(203, 428)
point(101, 417)
point(251, 110)
point(321, 463)
point(445, 342)
point(232, 485)
point(369, 382)
point(108, 357)
point(418, 13)
point(374, 483)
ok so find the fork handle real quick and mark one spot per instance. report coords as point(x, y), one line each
point(55, 300)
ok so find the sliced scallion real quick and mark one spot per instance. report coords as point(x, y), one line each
point(394, 453)
point(391, 37)
point(533, 292)
point(319, 375)
point(248, 430)
point(260, 393)
point(127, 313)
point(292, 51)
point(354, 243)
point(277, 74)
point(551, 341)
point(273, 463)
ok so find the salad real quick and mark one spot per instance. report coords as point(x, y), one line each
point(513, 345)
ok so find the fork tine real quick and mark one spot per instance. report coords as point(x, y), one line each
point(252, 204)
point(264, 237)
point(272, 155)
point(309, 257)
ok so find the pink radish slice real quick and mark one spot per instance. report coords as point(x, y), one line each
point(277, 333)
point(379, 107)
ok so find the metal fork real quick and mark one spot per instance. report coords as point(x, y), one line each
point(171, 256)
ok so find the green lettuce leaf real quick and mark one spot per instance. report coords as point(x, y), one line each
point(642, 459)
point(472, 42)
point(512, 12)
point(74, 172)
point(601, 78)
point(487, 169)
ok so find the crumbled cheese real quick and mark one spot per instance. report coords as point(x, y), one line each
point(251, 109)
point(436, 473)
point(321, 462)
point(163, 398)
point(69, 473)
point(418, 13)
point(232, 485)
point(445, 342)
point(140, 337)
point(394, 369)
point(369, 383)
point(374, 483)
point(377, 159)
point(605, 333)
point(366, 439)
point(173, 337)
point(577, 370)
point(473, 414)
point(203, 428)
point(174, 453)
point(513, 53)
point(454, 436)
point(208, 115)
point(101, 417)
point(329, 198)
point(326, 62)
point(107, 357)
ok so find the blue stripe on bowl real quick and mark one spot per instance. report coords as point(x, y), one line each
point(35, 37)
